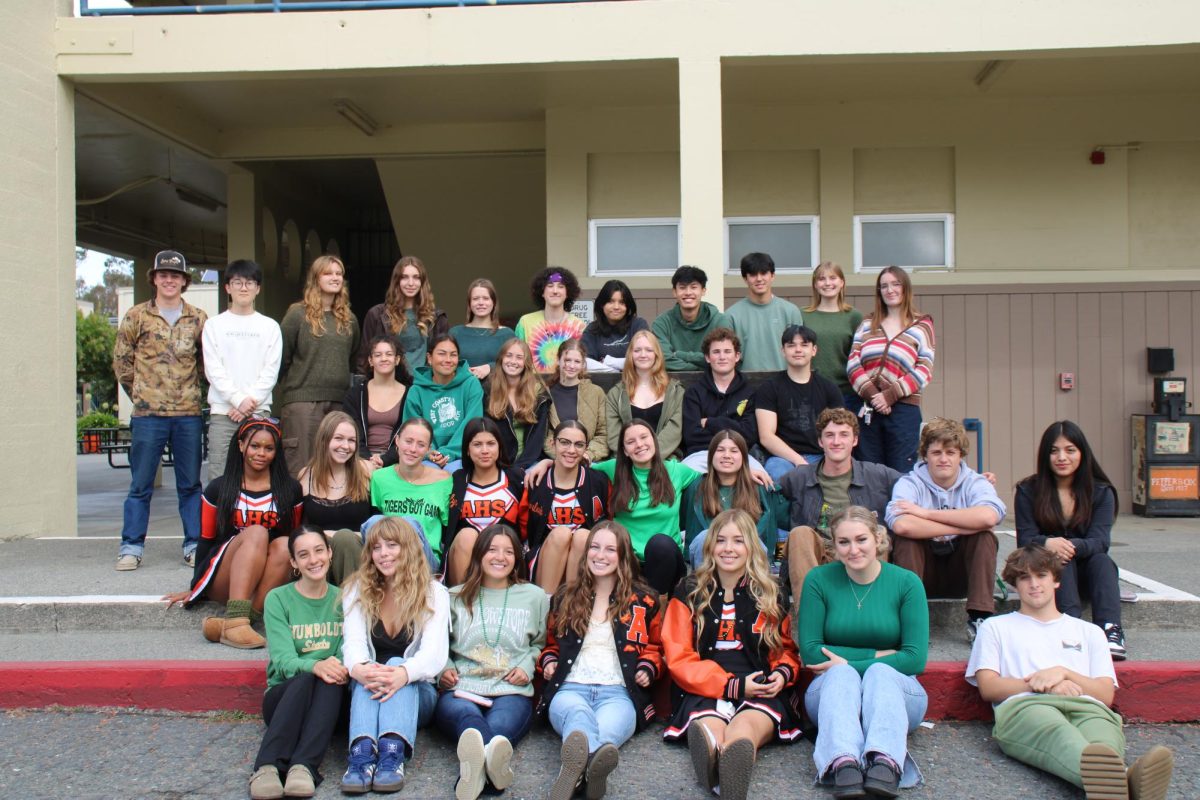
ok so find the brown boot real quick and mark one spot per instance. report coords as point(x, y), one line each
point(238, 633)
point(213, 627)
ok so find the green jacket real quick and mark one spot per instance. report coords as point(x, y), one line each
point(446, 406)
point(670, 422)
point(680, 341)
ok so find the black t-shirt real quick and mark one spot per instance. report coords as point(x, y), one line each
point(796, 407)
point(566, 401)
point(389, 646)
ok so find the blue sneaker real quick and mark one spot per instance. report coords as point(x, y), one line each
point(361, 770)
point(389, 775)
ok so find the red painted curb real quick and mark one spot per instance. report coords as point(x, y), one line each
point(1151, 691)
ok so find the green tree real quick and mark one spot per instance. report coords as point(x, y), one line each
point(94, 340)
point(117, 273)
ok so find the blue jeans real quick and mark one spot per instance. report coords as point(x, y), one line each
point(869, 714)
point(401, 714)
point(777, 467)
point(891, 439)
point(509, 716)
point(605, 714)
point(696, 548)
point(435, 565)
point(150, 437)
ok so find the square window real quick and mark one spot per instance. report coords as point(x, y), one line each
point(794, 243)
point(911, 241)
point(647, 246)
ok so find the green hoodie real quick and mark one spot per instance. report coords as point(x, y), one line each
point(681, 340)
point(446, 406)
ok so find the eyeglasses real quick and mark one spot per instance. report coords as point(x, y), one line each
point(567, 444)
point(242, 283)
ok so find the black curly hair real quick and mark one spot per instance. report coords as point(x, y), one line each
point(538, 285)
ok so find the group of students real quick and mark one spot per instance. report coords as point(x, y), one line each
point(412, 475)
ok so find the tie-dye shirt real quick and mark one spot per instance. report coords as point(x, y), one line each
point(545, 337)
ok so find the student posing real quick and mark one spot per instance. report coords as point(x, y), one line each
point(408, 314)
point(682, 328)
point(375, 404)
point(413, 489)
point(760, 315)
point(614, 321)
point(834, 321)
point(480, 339)
point(518, 402)
point(575, 397)
point(648, 393)
point(446, 394)
point(721, 400)
point(554, 290)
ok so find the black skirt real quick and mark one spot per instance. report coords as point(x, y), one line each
point(783, 708)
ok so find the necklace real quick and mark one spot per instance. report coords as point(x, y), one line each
point(858, 599)
point(483, 619)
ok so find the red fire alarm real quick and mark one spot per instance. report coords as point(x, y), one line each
point(1066, 381)
point(1097, 156)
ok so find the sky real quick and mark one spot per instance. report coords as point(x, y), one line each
point(91, 269)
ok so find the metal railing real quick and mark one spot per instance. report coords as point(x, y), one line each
point(278, 6)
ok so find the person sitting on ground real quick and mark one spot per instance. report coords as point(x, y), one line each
point(942, 514)
point(727, 483)
point(681, 328)
point(411, 488)
point(520, 405)
point(396, 640)
point(786, 405)
point(1051, 682)
point(375, 404)
point(245, 518)
point(728, 646)
point(497, 631)
point(646, 392)
point(1068, 507)
point(615, 320)
point(554, 290)
point(561, 507)
point(486, 491)
point(337, 492)
point(408, 313)
point(576, 397)
point(864, 632)
point(480, 338)
point(760, 315)
point(306, 681)
point(446, 394)
point(603, 653)
point(720, 400)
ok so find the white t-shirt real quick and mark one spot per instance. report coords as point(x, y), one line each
point(1015, 645)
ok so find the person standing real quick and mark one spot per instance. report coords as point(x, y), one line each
point(480, 339)
point(682, 327)
point(156, 360)
point(758, 316)
point(320, 344)
point(553, 290)
point(407, 313)
point(834, 321)
point(242, 350)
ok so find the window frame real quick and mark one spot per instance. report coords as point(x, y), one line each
point(814, 246)
point(630, 222)
point(946, 218)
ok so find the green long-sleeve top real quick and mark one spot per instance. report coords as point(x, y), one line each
point(894, 616)
point(510, 632)
point(300, 631)
point(775, 510)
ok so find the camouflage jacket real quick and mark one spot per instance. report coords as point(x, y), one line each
point(157, 364)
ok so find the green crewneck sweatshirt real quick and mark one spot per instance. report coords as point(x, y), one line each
point(300, 631)
point(510, 632)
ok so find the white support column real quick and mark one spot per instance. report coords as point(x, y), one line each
point(701, 181)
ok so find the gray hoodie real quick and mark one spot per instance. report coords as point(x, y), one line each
point(970, 490)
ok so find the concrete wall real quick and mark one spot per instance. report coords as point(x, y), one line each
point(37, 276)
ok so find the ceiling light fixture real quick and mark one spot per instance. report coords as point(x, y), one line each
point(356, 116)
point(195, 197)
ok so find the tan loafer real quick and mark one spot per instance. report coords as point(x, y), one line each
point(265, 785)
point(299, 782)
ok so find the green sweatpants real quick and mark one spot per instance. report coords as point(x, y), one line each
point(1049, 731)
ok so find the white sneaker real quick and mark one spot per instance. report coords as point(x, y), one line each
point(128, 562)
point(498, 757)
point(190, 559)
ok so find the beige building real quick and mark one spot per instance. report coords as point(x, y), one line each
point(1038, 163)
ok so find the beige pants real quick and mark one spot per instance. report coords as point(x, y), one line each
point(299, 423)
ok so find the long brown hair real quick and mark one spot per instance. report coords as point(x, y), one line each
point(836, 269)
point(758, 577)
point(625, 489)
point(529, 389)
point(745, 491)
point(469, 591)
point(314, 310)
point(1047, 508)
point(394, 300)
point(409, 585)
point(320, 465)
point(494, 317)
point(908, 310)
point(573, 602)
point(659, 379)
point(567, 346)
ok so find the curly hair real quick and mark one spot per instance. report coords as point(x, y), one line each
point(573, 602)
point(395, 303)
point(314, 310)
point(320, 465)
point(758, 576)
point(528, 392)
point(538, 285)
point(406, 591)
point(659, 379)
point(403, 374)
point(474, 580)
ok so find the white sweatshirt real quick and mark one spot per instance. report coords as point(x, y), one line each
point(241, 359)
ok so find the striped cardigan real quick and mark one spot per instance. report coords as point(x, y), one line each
point(899, 371)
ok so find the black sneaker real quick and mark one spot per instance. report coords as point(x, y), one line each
point(1116, 640)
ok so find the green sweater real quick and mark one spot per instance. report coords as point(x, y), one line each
point(894, 616)
point(300, 631)
point(680, 341)
point(775, 513)
point(644, 519)
point(479, 346)
point(514, 637)
point(835, 333)
point(759, 327)
point(315, 369)
point(427, 503)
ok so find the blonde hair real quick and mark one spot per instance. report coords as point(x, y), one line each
point(758, 576)
point(836, 269)
point(528, 392)
point(320, 465)
point(314, 310)
point(863, 516)
point(408, 586)
point(394, 301)
point(494, 317)
point(659, 379)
